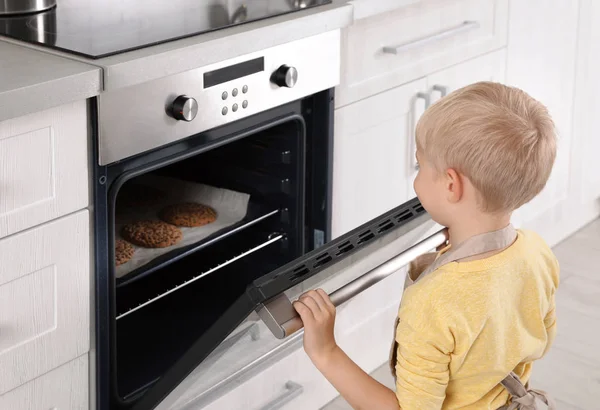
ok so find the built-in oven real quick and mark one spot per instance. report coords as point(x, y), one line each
point(212, 201)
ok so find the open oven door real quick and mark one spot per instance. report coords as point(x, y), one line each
point(261, 327)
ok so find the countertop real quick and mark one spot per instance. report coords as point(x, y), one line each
point(32, 81)
point(34, 78)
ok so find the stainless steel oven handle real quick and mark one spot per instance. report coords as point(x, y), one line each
point(292, 390)
point(464, 27)
point(281, 318)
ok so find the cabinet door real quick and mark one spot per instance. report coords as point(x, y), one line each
point(586, 118)
point(541, 60)
point(489, 67)
point(43, 166)
point(371, 144)
point(64, 388)
point(44, 299)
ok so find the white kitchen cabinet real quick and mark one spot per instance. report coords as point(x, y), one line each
point(374, 157)
point(384, 51)
point(541, 59)
point(44, 299)
point(43, 166)
point(372, 139)
point(586, 115)
point(489, 67)
point(65, 388)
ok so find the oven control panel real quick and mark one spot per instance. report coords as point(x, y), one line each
point(235, 99)
point(185, 104)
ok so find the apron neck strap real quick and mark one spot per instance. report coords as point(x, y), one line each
point(476, 245)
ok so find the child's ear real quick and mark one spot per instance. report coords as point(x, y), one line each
point(454, 185)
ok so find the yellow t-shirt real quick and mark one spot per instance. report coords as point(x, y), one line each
point(464, 327)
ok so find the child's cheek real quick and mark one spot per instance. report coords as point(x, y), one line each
point(417, 187)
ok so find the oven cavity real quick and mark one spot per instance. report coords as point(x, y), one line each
point(167, 303)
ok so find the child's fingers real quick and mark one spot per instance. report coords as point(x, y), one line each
point(311, 303)
point(326, 299)
point(321, 301)
point(305, 313)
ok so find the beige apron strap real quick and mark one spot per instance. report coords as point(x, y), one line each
point(476, 245)
point(524, 399)
point(418, 266)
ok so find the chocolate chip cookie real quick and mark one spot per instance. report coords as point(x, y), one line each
point(188, 214)
point(152, 234)
point(123, 251)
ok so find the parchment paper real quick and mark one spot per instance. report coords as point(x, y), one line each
point(231, 207)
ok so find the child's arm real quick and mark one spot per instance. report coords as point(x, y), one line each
point(357, 387)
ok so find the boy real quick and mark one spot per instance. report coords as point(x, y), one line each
point(483, 151)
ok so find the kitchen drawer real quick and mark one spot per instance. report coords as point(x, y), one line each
point(44, 299)
point(43, 166)
point(65, 388)
point(384, 51)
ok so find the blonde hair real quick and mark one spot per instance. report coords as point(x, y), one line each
point(499, 137)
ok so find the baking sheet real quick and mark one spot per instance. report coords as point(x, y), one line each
point(231, 207)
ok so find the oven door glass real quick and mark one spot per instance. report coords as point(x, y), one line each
point(240, 345)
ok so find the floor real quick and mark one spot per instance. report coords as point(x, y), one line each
point(571, 370)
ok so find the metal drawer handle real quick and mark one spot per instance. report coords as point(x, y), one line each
point(413, 141)
point(464, 27)
point(292, 390)
point(442, 89)
point(281, 318)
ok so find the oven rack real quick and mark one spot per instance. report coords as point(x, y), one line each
point(254, 216)
point(272, 239)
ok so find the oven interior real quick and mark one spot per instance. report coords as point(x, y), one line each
point(162, 308)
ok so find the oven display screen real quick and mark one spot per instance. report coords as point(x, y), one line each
point(232, 72)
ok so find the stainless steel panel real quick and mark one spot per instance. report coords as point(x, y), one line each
point(136, 119)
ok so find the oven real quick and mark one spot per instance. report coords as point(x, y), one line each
point(252, 140)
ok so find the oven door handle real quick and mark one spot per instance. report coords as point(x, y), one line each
point(282, 319)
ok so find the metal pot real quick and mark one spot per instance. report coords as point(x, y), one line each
point(25, 6)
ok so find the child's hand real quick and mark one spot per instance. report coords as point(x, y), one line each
point(318, 315)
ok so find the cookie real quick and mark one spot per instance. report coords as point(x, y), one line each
point(152, 234)
point(188, 214)
point(123, 251)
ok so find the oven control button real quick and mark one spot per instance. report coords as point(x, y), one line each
point(285, 76)
point(184, 108)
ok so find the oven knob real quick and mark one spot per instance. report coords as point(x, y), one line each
point(285, 76)
point(184, 108)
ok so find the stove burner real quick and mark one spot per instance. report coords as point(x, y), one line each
point(98, 29)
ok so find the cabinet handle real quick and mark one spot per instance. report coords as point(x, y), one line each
point(426, 97)
point(464, 27)
point(292, 390)
point(281, 318)
point(442, 89)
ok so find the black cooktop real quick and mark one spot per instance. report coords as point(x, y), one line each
point(100, 28)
